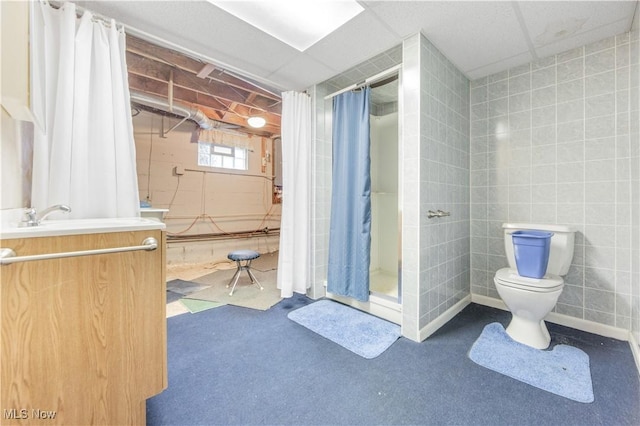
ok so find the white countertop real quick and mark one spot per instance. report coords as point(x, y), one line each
point(152, 209)
point(52, 228)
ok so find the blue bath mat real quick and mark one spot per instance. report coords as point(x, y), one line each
point(359, 332)
point(564, 370)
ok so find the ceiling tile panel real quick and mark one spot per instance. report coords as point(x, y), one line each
point(296, 74)
point(362, 38)
point(552, 22)
point(470, 34)
point(581, 39)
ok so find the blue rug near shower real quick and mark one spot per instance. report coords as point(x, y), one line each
point(359, 332)
point(564, 370)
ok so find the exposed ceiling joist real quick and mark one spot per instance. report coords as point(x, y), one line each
point(223, 97)
point(206, 70)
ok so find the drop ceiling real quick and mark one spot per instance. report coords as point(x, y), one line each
point(479, 37)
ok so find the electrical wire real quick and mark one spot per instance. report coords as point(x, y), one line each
point(215, 172)
point(237, 234)
point(149, 164)
point(215, 237)
point(174, 193)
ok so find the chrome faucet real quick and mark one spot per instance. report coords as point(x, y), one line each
point(34, 219)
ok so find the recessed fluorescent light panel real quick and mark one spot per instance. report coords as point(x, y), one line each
point(299, 23)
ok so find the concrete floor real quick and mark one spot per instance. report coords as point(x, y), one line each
point(193, 271)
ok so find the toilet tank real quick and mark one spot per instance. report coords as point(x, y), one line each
point(560, 251)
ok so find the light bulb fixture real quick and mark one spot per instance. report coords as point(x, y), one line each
point(256, 122)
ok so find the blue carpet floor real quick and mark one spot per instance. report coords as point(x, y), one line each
point(238, 366)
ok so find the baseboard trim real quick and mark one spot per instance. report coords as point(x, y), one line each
point(434, 325)
point(635, 350)
point(565, 320)
point(488, 301)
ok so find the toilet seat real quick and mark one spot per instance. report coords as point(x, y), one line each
point(509, 277)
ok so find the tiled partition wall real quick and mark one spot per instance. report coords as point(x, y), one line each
point(635, 182)
point(321, 190)
point(436, 159)
point(434, 175)
point(551, 143)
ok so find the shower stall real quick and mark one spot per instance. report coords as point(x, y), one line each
point(384, 268)
point(385, 255)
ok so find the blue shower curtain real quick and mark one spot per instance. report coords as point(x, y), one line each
point(350, 228)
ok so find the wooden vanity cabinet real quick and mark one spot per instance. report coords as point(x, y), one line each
point(83, 338)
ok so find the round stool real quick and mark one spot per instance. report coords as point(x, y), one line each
point(245, 256)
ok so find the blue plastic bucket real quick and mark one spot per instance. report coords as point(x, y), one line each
point(531, 249)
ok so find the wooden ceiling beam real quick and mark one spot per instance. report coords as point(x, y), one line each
point(146, 85)
point(171, 57)
point(137, 64)
point(160, 71)
point(181, 94)
point(250, 99)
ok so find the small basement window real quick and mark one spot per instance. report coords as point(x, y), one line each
point(222, 156)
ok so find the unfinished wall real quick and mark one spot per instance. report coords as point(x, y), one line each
point(220, 205)
point(16, 136)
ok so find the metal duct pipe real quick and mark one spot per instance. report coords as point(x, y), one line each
point(186, 111)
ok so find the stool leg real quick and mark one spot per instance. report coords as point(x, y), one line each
point(235, 278)
point(254, 279)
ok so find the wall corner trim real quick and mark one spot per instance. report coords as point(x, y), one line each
point(635, 350)
point(434, 325)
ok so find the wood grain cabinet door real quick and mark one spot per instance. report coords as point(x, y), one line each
point(83, 338)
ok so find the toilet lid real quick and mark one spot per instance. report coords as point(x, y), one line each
point(509, 277)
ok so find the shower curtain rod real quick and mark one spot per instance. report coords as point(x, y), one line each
point(80, 11)
point(369, 80)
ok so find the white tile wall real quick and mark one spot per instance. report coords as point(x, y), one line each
point(552, 142)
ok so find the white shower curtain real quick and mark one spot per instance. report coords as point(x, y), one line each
point(293, 262)
point(84, 152)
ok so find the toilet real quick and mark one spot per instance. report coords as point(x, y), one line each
point(531, 299)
